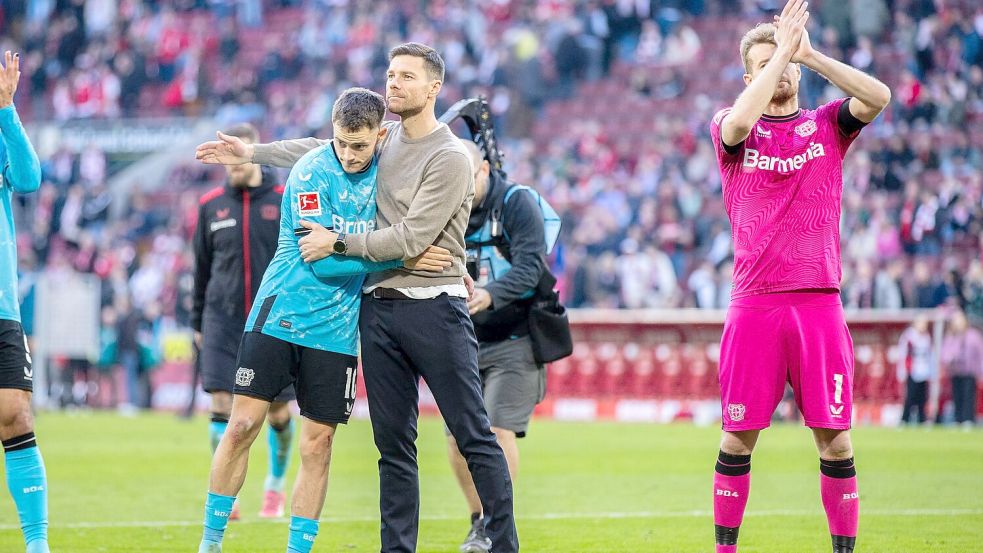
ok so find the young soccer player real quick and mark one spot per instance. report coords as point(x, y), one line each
point(303, 327)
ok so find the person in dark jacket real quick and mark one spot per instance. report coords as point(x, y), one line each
point(236, 237)
point(512, 382)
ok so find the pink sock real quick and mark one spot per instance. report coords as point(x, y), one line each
point(838, 487)
point(731, 484)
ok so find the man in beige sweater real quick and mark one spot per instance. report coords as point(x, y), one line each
point(412, 323)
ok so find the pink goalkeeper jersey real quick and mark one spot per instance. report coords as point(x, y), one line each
point(782, 190)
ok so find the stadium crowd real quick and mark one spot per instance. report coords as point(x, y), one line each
point(639, 192)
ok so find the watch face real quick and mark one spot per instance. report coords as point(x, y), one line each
point(340, 246)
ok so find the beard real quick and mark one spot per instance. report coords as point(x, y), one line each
point(406, 109)
point(783, 95)
point(241, 180)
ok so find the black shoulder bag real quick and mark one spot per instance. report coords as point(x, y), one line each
point(549, 327)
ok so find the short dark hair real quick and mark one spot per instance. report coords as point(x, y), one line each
point(245, 131)
point(358, 108)
point(431, 59)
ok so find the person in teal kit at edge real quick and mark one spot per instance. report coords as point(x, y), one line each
point(303, 326)
point(26, 477)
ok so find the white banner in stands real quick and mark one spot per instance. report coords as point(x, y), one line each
point(66, 322)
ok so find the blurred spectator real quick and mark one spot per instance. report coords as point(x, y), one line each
point(868, 18)
point(929, 290)
point(681, 46)
point(962, 358)
point(108, 355)
point(887, 286)
point(917, 365)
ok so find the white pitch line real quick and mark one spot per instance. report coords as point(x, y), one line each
point(540, 516)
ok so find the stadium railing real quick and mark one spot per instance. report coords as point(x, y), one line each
point(653, 366)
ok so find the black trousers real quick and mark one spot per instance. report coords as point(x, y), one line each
point(403, 340)
point(916, 396)
point(964, 397)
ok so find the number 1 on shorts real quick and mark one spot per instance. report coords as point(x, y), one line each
point(838, 392)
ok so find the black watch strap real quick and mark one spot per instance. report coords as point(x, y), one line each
point(340, 246)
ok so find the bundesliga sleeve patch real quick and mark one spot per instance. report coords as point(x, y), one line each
point(308, 204)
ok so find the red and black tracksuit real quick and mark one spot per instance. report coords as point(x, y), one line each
point(234, 242)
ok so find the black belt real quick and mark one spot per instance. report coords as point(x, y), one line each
point(388, 294)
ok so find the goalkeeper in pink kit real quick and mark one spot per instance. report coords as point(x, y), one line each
point(781, 168)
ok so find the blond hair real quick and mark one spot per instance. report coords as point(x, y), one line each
point(762, 33)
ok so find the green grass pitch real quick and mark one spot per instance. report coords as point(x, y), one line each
point(138, 485)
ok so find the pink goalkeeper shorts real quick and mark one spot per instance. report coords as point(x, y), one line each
point(800, 338)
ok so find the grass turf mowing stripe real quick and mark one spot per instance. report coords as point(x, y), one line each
point(542, 516)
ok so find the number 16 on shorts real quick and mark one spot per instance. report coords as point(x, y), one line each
point(351, 383)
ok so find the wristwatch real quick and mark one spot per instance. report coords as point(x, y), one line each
point(340, 247)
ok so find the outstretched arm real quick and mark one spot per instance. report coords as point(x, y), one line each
point(284, 153)
point(23, 170)
point(232, 150)
point(751, 104)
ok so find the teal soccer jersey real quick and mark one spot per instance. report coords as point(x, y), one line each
point(316, 305)
point(21, 172)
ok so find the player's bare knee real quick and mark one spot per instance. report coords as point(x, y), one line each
point(836, 449)
point(833, 444)
point(242, 431)
point(739, 443)
point(316, 448)
point(17, 420)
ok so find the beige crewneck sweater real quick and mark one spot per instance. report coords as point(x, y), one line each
point(425, 187)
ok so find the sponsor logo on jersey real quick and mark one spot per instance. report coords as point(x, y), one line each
point(836, 410)
point(286, 324)
point(806, 129)
point(244, 376)
point(340, 225)
point(269, 212)
point(222, 213)
point(219, 225)
point(308, 204)
point(736, 412)
point(762, 132)
point(754, 160)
